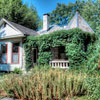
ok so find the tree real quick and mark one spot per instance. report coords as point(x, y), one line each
point(63, 13)
point(90, 11)
point(16, 11)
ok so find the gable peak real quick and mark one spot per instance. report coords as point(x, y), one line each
point(79, 22)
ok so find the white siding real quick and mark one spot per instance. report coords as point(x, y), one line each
point(9, 66)
point(9, 32)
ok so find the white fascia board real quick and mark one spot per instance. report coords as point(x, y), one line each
point(13, 36)
point(4, 20)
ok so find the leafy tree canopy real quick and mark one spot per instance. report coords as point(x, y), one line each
point(16, 11)
point(90, 11)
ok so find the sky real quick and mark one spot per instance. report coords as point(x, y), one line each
point(46, 6)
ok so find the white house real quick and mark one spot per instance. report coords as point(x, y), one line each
point(11, 45)
point(12, 38)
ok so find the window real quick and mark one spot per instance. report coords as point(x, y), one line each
point(15, 53)
point(3, 53)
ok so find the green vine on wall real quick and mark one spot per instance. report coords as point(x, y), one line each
point(75, 41)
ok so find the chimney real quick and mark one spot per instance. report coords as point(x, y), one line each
point(45, 22)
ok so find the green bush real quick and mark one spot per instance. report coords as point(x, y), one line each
point(93, 87)
point(52, 84)
point(44, 58)
point(75, 41)
point(76, 55)
point(18, 71)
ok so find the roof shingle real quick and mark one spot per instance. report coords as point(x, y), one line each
point(24, 30)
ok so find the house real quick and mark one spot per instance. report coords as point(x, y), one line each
point(11, 45)
point(59, 58)
point(76, 22)
point(12, 38)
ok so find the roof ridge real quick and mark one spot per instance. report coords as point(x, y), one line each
point(21, 25)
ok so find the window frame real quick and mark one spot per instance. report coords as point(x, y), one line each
point(13, 53)
point(5, 53)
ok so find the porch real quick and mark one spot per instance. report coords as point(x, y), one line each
point(59, 58)
point(59, 63)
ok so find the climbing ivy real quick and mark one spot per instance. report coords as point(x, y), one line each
point(75, 41)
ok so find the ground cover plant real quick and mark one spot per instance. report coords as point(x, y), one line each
point(45, 83)
point(48, 84)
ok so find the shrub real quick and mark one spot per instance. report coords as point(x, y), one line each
point(44, 58)
point(18, 71)
point(52, 84)
point(93, 87)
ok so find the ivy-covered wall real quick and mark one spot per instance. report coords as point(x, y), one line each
point(75, 41)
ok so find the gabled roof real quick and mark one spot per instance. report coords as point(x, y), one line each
point(51, 29)
point(78, 22)
point(22, 29)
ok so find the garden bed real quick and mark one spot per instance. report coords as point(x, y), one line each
point(51, 84)
point(45, 85)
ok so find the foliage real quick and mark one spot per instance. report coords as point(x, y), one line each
point(92, 68)
point(93, 59)
point(44, 57)
point(45, 82)
point(75, 54)
point(52, 84)
point(41, 68)
point(16, 11)
point(18, 71)
point(93, 86)
point(90, 11)
point(75, 41)
point(63, 13)
point(28, 58)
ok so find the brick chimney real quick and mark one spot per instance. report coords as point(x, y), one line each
point(45, 22)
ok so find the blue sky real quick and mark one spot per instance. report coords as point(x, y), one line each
point(45, 6)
